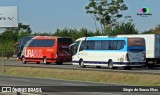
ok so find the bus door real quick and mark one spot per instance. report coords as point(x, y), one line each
point(136, 50)
point(74, 48)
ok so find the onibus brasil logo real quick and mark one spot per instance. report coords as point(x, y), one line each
point(144, 12)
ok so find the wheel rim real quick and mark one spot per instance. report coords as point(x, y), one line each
point(110, 65)
point(44, 60)
point(23, 60)
point(82, 64)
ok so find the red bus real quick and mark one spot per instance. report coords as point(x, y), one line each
point(46, 49)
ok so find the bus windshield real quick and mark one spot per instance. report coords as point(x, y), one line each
point(21, 43)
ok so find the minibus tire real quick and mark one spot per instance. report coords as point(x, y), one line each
point(110, 64)
point(81, 64)
point(23, 60)
point(127, 68)
point(98, 66)
point(37, 62)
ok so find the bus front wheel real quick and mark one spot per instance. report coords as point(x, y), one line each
point(23, 60)
point(81, 63)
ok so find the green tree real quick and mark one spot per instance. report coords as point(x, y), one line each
point(155, 30)
point(11, 35)
point(124, 28)
point(150, 31)
point(17, 31)
point(106, 12)
point(74, 33)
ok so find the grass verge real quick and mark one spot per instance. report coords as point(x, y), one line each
point(84, 75)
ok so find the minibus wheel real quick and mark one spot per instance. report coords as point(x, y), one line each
point(127, 68)
point(81, 63)
point(98, 66)
point(23, 60)
point(110, 65)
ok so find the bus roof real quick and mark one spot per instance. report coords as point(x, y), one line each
point(105, 38)
point(83, 38)
point(48, 37)
point(101, 38)
point(25, 38)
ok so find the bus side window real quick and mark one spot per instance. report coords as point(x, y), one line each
point(110, 46)
point(120, 45)
point(89, 45)
point(97, 45)
point(86, 45)
point(104, 45)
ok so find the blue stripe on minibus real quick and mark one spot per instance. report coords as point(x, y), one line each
point(105, 38)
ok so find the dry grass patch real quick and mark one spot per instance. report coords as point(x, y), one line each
point(84, 75)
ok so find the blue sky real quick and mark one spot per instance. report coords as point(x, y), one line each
point(48, 15)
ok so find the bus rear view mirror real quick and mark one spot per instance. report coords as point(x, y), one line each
point(73, 48)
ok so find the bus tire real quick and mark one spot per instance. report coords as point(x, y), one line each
point(48, 63)
point(59, 62)
point(37, 62)
point(23, 60)
point(45, 60)
point(150, 66)
point(81, 64)
point(110, 64)
point(127, 68)
point(98, 66)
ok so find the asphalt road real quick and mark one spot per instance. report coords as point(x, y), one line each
point(61, 87)
point(70, 66)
